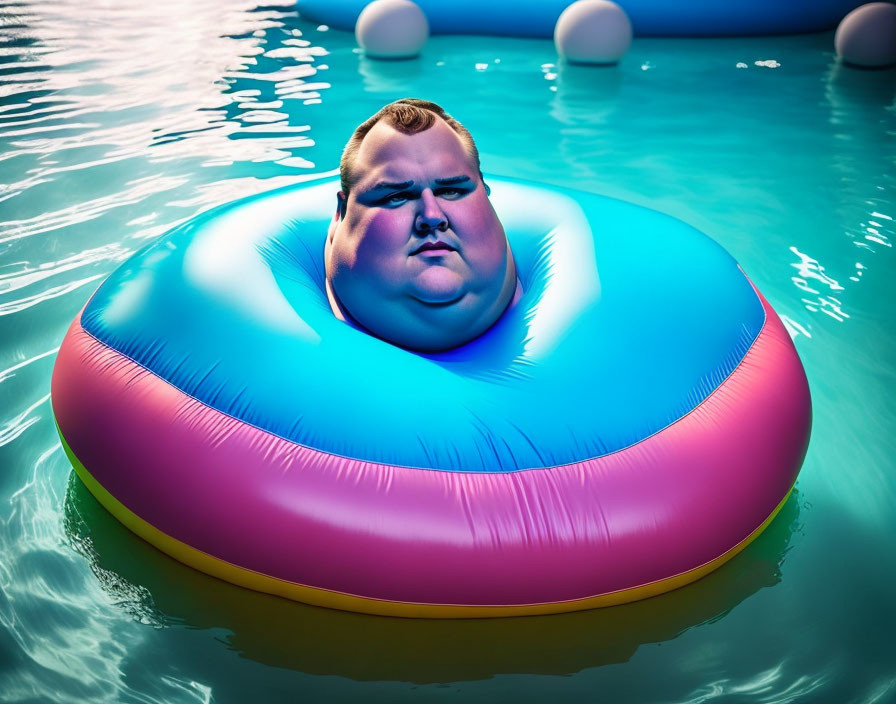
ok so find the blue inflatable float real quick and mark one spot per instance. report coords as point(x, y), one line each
point(650, 18)
point(631, 423)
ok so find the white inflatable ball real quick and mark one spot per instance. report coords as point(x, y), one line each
point(593, 32)
point(392, 29)
point(867, 36)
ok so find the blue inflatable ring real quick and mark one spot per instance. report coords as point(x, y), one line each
point(632, 422)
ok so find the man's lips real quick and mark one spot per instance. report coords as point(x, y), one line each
point(433, 247)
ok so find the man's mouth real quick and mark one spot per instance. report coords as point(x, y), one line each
point(433, 247)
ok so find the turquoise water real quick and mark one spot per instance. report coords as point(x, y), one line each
point(119, 120)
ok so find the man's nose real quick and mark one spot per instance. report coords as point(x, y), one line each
point(429, 214)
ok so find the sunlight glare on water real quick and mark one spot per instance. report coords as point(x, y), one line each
point(120, 120)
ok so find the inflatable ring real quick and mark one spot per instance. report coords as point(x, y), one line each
point(650, 18)
point(630, 424)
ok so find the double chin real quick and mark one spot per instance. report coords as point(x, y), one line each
point(438, 285)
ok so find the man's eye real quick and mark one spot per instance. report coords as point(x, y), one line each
point(395, 199)
point(450, 193)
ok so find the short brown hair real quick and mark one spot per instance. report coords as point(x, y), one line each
point(409, 116)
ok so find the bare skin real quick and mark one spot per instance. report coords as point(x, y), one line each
point(416, 254)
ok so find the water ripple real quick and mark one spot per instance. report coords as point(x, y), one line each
point(86, 210)
point(18, 424)
point(9, 372)
point(28, 275)
point(76, 105)
point(769, 686)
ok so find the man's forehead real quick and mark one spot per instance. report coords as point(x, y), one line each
point(387, 154)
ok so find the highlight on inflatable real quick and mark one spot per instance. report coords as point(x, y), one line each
point(866, 37)
point(630, 424)
point(649, 18)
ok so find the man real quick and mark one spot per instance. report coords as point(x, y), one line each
point(415, 253)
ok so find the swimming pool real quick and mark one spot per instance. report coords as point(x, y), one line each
point(117, 123)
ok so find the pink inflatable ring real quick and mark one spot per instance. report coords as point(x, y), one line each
point(635, 420)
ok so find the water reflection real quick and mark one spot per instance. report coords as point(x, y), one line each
point(150, 109)
point(280, 633)
point(862, 159)
point(585, 103)
point(586, 95)
point(390, 78)
point(119, 93)
point(848, 88)
point(137, 66)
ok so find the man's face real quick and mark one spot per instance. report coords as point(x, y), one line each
point(418, 256)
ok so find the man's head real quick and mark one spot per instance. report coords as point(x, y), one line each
point(415, 252)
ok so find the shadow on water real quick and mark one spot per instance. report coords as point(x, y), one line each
point(160, 591)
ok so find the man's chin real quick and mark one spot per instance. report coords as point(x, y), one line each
point(439, 299)
point(437, 285)
point(438, 289)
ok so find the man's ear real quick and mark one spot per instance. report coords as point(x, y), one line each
point(488, 191)
point(341, 203)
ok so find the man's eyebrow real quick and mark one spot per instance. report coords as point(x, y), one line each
point(453, 180)
point(382, 185)
point(395, 186)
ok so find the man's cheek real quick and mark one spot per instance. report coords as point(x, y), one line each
point(385, 228)
point(487, 242)
point(475, 221)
